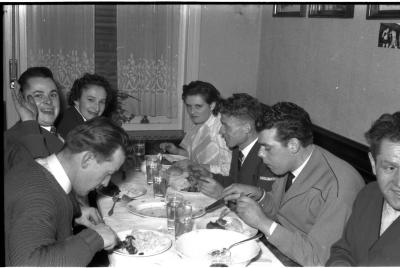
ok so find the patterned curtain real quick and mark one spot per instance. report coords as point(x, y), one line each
point(148, 40)
point(61, 37)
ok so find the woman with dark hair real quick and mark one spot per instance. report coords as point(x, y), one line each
point(90, 96)
point(202, 143)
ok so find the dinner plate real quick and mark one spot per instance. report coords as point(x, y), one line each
point(147, 242)
point(133, 192)
point(232, 224)
point(156, 209)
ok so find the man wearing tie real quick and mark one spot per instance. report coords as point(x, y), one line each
point(306, 210)
point(238, 116)
point(38, 105)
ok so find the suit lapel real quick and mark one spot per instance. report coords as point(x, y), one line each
point(389, 236)
point(308, 177)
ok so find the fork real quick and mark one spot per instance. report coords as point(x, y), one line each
point(115, 199)
point(220, 219)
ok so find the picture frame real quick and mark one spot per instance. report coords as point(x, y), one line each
point(383, 12)
point(289, 10)
point(342, 11)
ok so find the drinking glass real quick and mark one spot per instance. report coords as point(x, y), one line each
point(140, 151)
point(173, 200)
point(183, 219)
point(160, 183)
point(153, 167)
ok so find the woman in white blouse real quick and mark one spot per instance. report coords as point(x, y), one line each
point(202, 143)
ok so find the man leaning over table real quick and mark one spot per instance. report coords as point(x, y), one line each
point(39, 212)
point(306, 210)
point(372, 234)
point(238, 116)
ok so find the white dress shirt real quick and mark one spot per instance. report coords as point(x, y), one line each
point(246, 150)
point(389, 215)
point(53, 165)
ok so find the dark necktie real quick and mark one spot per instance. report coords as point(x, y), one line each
point(289, 181)
point(240, 159)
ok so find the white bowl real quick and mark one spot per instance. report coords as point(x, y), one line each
point(194, 247)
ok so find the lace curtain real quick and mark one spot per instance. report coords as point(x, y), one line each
point(61, 37)
point(148, 42)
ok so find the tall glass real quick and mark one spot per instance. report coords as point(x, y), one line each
point(160, 183)
point(153, 167)
point(183, 219)
point(173, 200)
point(139, 148)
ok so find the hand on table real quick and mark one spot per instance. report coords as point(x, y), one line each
point(169, 147)
point(252, 214)
point(235, 190)
point(26, 108)
point(210, 187)
point(108, 235)
point(90, 217)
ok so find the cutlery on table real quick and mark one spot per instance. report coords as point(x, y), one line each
point(115, 199)
point(220, 219)
point(225, 251)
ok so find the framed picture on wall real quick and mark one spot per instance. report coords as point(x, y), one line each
point(331, 11)
point(289, 11)
point(383, 12)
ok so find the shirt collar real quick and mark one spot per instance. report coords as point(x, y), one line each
point(48, 128)
point(53, 165)
point(297, 171)
point(246, 150)
point(84, 119)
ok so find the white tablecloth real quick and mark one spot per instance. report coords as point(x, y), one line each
point(122, 220)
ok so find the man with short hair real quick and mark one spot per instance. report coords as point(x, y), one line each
point(305, 212)
point(238, 116)
point(39, 211)
point(38, 105)
point(372, 234)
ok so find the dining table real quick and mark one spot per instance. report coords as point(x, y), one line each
point(122, 219)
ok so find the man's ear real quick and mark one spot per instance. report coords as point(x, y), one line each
point(87, 158)
point(76, 103)
point(293, 145)
point(372, 160)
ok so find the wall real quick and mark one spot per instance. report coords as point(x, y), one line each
point(229, 47)
point(331, 67)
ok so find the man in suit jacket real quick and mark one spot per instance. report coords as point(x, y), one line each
point(306, 210)
point(39, 212)
point(238, 116)
point(38, 105)
point(372, 234)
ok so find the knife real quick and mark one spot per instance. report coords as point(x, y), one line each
point(220, 203)
point(213, 206)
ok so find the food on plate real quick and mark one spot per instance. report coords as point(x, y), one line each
point(127, 245)
point(142, 242)
point(230, 224)
point(193, 185)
